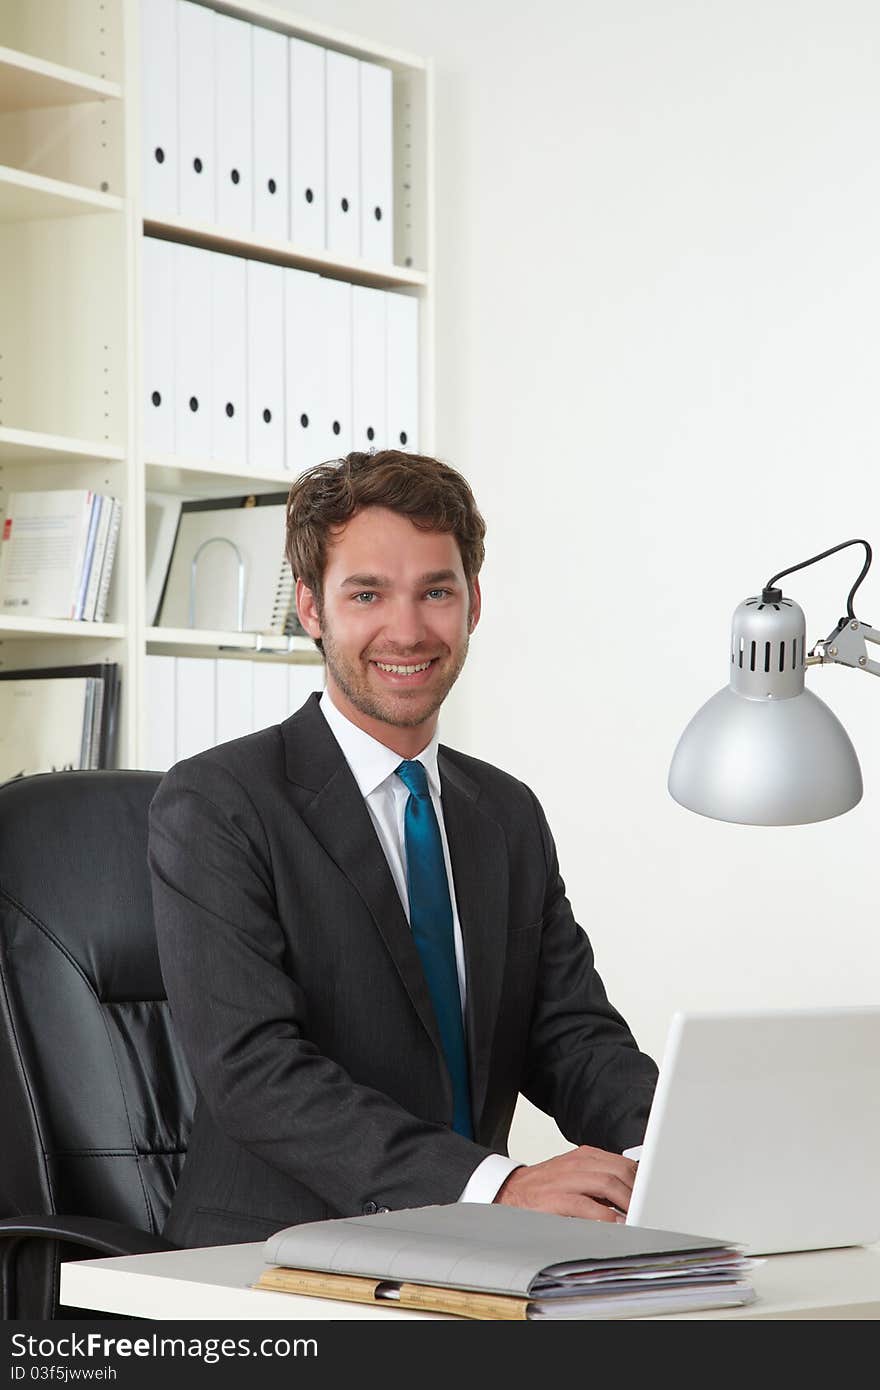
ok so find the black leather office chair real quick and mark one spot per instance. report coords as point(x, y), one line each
point(96, 1100)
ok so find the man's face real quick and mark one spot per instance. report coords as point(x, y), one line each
point(395, 596)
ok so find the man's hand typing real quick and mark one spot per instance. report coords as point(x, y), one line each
point(584, 1182)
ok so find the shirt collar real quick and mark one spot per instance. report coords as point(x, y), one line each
point(370, 761)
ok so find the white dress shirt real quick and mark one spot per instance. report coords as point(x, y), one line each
point(374, 768)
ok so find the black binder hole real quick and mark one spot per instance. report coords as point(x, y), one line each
point(403, 436)
point(197, 165)
point(304, 421)
point(156, 398)
point(336, 427)
point(267, 416)
point(159, 154)
point(193, 403)
point(230, 409)
point(377, 213)
point(272, 185)
point(371, 433)
point(344, 205)
point(235, 176)
point(310, 197)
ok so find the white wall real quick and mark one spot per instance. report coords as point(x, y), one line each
point(658, 255)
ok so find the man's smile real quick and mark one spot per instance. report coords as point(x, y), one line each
point(405, 673)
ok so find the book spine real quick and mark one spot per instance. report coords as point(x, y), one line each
point(283, 601)
point(109, 557)
point(97, 724)
point(6, 542)
point(86, 738)
point(97, 559)
point(83, 571)
point(107, 741)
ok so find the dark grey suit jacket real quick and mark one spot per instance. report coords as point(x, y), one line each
point(297, 991)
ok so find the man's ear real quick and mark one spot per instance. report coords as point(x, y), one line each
point(307, 609)
point(476, 605)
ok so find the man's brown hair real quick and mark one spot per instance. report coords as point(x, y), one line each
point(434, 497)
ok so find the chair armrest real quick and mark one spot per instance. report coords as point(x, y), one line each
point(104, 1237)
point(99, 1237)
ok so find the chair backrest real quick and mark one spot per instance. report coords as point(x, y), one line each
point(96, 1100)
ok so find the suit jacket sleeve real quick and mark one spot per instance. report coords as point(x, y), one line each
point(242, 1018)
point(583, 1065)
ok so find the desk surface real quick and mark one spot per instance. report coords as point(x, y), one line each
point(214, 1283)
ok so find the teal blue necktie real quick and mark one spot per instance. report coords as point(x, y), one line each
point(430, 916)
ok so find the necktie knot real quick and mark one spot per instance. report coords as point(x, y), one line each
point(414, 777)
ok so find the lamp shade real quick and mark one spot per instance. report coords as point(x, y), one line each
point(765, 750)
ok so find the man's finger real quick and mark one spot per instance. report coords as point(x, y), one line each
point(606, 1187)
point(624, 1169)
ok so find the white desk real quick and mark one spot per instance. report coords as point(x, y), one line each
point(214, 1283)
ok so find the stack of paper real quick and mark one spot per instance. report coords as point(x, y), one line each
point(57, 554)
point(494, 1261)
point(57, 719)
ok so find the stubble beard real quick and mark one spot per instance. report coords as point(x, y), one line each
point(389, 709)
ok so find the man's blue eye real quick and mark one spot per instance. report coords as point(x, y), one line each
point(442, 592)
point(365, 595)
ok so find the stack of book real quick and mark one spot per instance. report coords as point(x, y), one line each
point(58, 718)
point(494, 1261)
point(57, 553)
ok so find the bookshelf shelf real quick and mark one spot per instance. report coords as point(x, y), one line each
point(28, 83)
point(31, 197)
point(285, 253)
point(36, 628)
point(174, 641)
point(22, 446)
point(209, 478)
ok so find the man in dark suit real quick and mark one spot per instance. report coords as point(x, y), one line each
point(364, 936)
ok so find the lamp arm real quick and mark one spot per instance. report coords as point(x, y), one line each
point(846, 646)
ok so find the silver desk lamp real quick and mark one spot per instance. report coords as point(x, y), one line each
point(765, 750)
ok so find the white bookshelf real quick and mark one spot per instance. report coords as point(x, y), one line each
point(208, 478)
point(285, 253)
point(72, 228)
point(28, 197)
point(53, 448)
point(36, 629)
point(28, 83)
point(180, 641)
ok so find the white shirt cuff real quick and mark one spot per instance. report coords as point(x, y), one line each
point(485, 1181)
point(635, 1152)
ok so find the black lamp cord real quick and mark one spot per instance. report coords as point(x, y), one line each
point(772, 595)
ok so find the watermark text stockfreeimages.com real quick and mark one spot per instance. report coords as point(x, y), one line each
point(29, 1352)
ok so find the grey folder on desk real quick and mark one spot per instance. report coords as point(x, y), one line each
point(570, 1267)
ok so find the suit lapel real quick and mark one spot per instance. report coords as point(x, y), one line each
point(338, 818)
point(478, 851)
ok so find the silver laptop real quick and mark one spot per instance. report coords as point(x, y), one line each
point(765, 1130)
